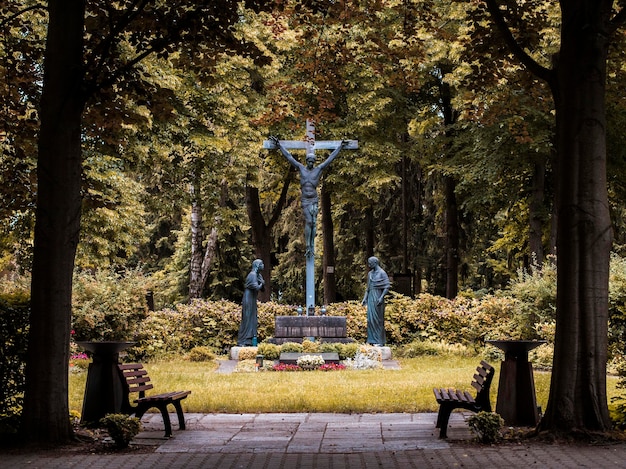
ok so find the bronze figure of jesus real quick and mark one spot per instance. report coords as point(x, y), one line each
point(309, 179)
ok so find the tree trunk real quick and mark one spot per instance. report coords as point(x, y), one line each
point(450, 116)
point(195, 268)
point(328, 262)
point(45, 416)
point(209, 254)
point(452, 239)
point(261, 238)
point(262, 232)
point(536, 218)
point(578, 398)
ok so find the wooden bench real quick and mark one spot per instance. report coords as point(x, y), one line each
point(135, 379)
point(450, 399)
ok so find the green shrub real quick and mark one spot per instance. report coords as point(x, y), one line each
point(212, 324)
point(356, 318)
point(427, 317)
point(14, 317)
point(309, 346)
point(347, 350)
point(535, 291)
point(201, 354)
point(419, 348)
point(248, 353)
point(329, 347)
point(121, 427)
point(109, 305)
point(487, 426)
point(269, 351)
point(291, 347)
point(542, 357)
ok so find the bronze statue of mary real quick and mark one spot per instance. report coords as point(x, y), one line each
point(249, 319)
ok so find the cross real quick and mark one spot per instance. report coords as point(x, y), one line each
point(310, 145)
point(309, 142)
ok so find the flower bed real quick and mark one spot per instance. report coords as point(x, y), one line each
point(324, 367)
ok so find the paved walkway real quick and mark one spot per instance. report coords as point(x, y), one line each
point(323, 441)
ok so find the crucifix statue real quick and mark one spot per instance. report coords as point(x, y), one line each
point(309, 179)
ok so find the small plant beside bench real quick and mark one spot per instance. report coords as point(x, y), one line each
point(136, 380)
point(450, 399)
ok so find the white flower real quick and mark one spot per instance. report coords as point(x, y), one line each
point(310, 360)
point(362, 362)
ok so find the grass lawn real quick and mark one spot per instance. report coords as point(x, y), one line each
point(406, 390)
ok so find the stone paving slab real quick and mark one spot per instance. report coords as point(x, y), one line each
point(322, 441)
point(323, 432)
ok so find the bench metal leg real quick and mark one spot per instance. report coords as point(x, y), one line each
point(166, 420)
point(181, 416)
point(443, 418)
point(141, 410)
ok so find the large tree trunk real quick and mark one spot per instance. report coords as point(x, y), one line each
point(328, 261)
point(578, 388)
point(452, 239)
point(450, 116)
point(536, 217)
point(45, 418)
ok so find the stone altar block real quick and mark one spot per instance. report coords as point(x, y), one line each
point(322, 328)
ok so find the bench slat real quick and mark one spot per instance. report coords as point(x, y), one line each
point(170, 396)
point(138, 381)
point(130, 366)
point(477, 386)
point(144, 388)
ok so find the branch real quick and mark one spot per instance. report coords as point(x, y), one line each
point(158, 44)
point(104, 48)
point(38, 6)
point(618, 20)
point(530, 63)
point(282, 199)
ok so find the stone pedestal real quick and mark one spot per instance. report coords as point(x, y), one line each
point(104, 390)
point(516, 402)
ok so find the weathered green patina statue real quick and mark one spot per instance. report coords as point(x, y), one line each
point(309, 179)
point(249, 319)
point(377, 287)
